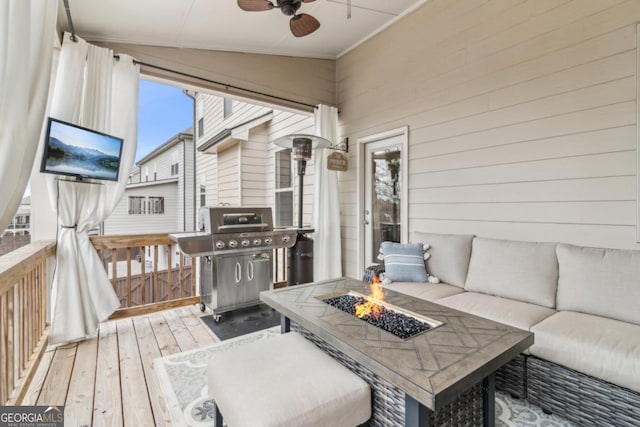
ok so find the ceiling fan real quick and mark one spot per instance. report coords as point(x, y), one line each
point(301, 24)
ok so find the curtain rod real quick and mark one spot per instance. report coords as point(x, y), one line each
point(227, 86)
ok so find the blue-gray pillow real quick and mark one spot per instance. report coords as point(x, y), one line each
point(404, 262)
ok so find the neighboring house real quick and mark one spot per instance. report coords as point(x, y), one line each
point(159, 197)
point(18, 231)
point(236, 162)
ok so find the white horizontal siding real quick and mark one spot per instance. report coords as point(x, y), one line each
point(522, 119)
point(121, 222)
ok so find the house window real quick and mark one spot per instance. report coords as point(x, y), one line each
point(203, 195)
point(156, 205)
point(284, 189)
point(228, 107)
point(175, 169)
point(201, 126)
point(136, 205)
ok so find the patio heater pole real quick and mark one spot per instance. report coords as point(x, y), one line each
point(300, 255)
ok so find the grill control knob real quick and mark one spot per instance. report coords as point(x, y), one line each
point(257, 242)
point(219, 244)
point(286, 238)
point(233, 243)
point(268, 241)
point(245, 243)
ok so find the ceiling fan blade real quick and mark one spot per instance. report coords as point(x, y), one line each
point(255, 5)
point(303, 24)
point(307, 1)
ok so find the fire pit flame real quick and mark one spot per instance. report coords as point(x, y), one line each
point(369, 307)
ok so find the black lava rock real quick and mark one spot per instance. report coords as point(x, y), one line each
point(399, 324)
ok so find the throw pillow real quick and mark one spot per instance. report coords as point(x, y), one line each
point(404, 262)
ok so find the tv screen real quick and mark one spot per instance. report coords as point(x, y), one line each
point(80, 152)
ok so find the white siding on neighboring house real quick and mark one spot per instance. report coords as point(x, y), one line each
point(521, 116)
point(243, 173)
point(171, 164)
point(121, 222)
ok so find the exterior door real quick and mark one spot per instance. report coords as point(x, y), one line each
point(384, 215)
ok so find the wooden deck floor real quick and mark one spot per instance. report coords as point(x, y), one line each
point(110, 380)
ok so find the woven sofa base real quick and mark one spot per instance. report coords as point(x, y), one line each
point(388, 407)
point(580, 398)
point(511, 378)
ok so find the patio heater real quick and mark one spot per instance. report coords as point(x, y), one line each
point(300, 256)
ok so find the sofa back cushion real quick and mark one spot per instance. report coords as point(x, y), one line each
point(450, 253)
point(524, 271)
point(604, 282)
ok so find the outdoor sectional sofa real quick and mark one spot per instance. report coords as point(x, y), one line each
point(582, 304)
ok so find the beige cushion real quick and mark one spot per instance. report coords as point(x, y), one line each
point(450, 254)
point(603, 348)
point(524, 271)
point(514, 313)
point(427, 291)
point(604, 282)
point(286, 381)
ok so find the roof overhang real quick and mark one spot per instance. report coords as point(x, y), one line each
point(231, 136)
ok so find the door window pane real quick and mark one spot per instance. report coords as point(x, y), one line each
point(386, 197)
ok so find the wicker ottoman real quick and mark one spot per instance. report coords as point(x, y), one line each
point(285, 381)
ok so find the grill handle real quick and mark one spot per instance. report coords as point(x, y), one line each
point(238, 272)
point(250, 270)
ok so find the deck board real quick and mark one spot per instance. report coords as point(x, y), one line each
point(107, 407)
point(56, 384)
point(79, 403)
point(149, 351)
point(111, 380)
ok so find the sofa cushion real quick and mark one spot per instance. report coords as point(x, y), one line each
point(426, 291)
point(524, 271)
point(604, 282)
point(514, 313)
point(450, 255)
point(403, 262)
point(603, 348)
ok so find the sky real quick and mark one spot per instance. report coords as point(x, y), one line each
point(163, 112)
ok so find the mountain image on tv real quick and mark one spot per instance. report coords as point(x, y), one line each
point(76, 151)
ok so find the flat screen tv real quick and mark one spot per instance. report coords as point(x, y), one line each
point(80, 152)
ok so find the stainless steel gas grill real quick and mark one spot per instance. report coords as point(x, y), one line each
point(235, 246)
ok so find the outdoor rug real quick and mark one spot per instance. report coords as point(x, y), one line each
point(243, 321)
point(184, 385)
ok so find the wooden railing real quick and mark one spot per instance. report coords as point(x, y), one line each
point(23, 322)
point(147, 282)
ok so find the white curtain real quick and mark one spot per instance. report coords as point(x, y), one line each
point(327, 247)
point(94, 90)
point(26, 48)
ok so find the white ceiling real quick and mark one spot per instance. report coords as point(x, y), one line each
point(222, 25)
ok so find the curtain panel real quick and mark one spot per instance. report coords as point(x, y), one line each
point(27, 29)
point(327, 247)
point(94, 90)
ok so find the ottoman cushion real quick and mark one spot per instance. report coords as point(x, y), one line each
point(286, 381)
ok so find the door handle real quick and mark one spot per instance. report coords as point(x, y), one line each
point(250, 270)
point(238, 272)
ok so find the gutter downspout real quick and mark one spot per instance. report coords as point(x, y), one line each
point(193, 140)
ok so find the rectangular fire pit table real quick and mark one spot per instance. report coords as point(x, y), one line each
point(442, 375)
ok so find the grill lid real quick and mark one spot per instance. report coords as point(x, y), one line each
point(230, 219)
